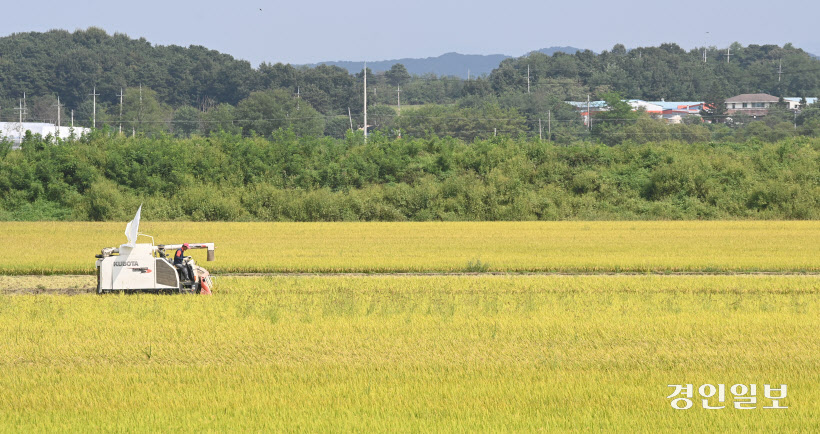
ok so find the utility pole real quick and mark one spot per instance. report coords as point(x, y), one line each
point(549, 125)
point(350, 117)
point(94, 116)
point(20, 125)
point(59, 109)
point(728, 54)
point(528, 78)
point(704, 47)
point(25, 106)
point(59, 106)
point(365, 101)
point(779, 69)
point(398, 97)
point(540, 135)
point(139, 113)
point(21, 110)
point(589, 115)
point(298, 97)
point(72, 118)
point(468, 74)
point(121, 96)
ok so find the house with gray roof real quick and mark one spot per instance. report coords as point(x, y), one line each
point(751, 104)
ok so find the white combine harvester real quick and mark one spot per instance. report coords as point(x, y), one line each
point(137, 267)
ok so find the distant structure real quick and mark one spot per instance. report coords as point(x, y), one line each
point(758, 104)
point(751, 104)
point(647, 106)
point(587, 108)
point(795, 102)
point(672, 112)
point(675, 111)
point(16, 131)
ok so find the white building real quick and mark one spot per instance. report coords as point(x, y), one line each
point(651, 108)
point(794, 102)
point(16, 131)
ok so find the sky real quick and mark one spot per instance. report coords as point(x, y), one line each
point(310, 31)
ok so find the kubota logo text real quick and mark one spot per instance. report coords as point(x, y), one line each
point(126, 264)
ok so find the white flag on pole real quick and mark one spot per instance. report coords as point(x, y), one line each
point(133, 228)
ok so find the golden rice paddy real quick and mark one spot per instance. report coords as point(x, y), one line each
point(416, 353)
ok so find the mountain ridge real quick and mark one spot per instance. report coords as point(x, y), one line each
point(448, 64)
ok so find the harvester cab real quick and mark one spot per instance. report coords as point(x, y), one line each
point(145, 267)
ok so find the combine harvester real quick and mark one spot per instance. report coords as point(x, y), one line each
point(137, 267)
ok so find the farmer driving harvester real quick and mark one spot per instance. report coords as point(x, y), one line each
point(143, 267)
point(179, 262)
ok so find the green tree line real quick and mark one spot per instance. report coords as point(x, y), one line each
point(229, 177)
point(665, 72)
point(193, 90)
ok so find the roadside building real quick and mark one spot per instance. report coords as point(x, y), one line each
point(751, 104)
point(585, 108)
point(16, 131)
point(653, 109)
point(675, 111)
point(671, 111)
point(794, 102)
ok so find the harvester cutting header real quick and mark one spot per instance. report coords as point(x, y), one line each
point(134, 267)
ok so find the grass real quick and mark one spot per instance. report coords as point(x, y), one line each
point(412, 353)
point(69, 248)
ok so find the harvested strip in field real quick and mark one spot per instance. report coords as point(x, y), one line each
point(67, 285)
point(443, 247)
point(476, 353)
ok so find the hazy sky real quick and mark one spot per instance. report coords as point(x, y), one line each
point(310, 30)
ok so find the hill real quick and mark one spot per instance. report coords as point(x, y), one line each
point(448, 64)
point(552, 50)
point(67, 64)
point(174, 84)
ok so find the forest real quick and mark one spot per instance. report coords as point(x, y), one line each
point(151, 89)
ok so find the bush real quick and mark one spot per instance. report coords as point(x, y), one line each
point(104, 201)
point(209, 203)
point(290, 178)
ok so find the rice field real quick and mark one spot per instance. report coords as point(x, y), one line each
point(589, 347)
point(715, 246)
point(411, 354)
